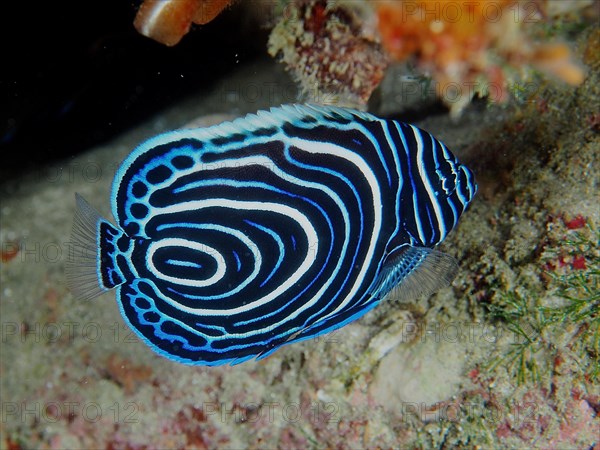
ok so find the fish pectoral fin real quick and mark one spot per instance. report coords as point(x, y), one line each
point(412, 272)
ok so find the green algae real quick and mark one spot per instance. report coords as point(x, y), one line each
point(567, 318)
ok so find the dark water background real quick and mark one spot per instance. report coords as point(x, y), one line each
point(77, 74)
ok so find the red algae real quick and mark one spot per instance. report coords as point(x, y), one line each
point(576, 223)
point(578, 262)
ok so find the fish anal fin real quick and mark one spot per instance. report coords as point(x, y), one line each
point(413, 272)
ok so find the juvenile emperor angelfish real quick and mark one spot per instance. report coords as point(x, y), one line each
point(236, 239)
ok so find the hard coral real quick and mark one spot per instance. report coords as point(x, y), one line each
point(470, 47)
point(167, 21)
point(329, 52)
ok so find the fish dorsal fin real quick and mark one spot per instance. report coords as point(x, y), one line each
point(300, 111)
point(276, 116)
point(412, 272)
point(291, 113)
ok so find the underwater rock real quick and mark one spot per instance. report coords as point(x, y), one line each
point(425, 373)
point(329, 52)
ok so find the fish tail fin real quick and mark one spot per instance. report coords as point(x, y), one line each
point(83, 267)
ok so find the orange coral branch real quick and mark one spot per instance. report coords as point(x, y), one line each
point(167, 21)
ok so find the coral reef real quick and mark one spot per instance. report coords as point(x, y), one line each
point(167, 21)
point(338, 51)
point(474, 47)
point(329, 52)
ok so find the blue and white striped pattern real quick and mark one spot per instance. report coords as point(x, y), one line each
point(236, 239)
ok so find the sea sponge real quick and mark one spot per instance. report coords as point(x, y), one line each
point(329, 52)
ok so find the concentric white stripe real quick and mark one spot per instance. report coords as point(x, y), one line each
point(251, 245)
point(301, 219)
point(443, 179)
point(385, 125)
point(415, 208)
point(186, 243)
point(310, 147)
point(423, 173)
point(268, 163)
point(363, 166)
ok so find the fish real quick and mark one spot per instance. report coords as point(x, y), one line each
point(233, 240)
